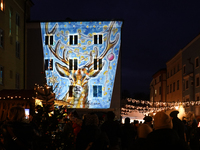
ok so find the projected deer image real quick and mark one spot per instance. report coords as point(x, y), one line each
point(81, 61)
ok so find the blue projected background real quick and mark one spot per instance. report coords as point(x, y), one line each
point(90, 87)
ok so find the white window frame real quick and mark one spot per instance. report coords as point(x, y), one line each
point(97, 91)
point(73, 63)
point(73, 39)
point(97, 38)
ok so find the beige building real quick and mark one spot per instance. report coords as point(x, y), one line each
point(13, 17)
point(174, 78)
point(158, 86)
point(191, 73)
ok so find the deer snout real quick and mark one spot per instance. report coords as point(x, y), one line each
point(77, 89)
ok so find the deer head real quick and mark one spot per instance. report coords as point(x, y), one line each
point(79, 78)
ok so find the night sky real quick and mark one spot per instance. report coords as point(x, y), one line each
point(153, 31)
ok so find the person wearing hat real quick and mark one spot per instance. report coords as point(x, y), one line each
point(140, 142)
point(178, 125)
point(148, 120)
point(164, 137)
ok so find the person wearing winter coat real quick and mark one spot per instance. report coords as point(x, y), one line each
point(164, 137)
point(178, 125)
point(90, 136)
point(140, 142)
point(128, 134)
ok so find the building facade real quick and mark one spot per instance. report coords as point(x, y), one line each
point(80, 60)
point(158, 86)
point(191, 72)
point(174, 78)
point(183, 77)
point(13, 16)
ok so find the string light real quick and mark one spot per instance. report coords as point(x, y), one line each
point(147, 107)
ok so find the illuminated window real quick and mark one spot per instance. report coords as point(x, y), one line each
point(2, 5)
point(97, 91)
point(17, 32)
point(73, 39)
point(10, 21)
point(197, 62)
point(96, 64)
point(1, 75)
point(49, 40)
point(98, 39)
point(48, 64)
point(17, 49)
point(1, 38)
point(17, 20)
point(73, 64)
point(17, 28)
point(178, 85)
point(17, 81)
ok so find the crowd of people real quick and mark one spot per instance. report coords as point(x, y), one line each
point(94, 132)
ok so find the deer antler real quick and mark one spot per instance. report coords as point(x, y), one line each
point(109, 45)
point(56, 54)
point(53, 29)
point(56, 51)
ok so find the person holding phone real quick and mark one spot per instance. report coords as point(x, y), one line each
point(17, 132)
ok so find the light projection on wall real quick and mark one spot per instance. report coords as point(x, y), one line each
point(81, 61)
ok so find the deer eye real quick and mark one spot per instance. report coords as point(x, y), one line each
point(70, 78)
point(87, 78)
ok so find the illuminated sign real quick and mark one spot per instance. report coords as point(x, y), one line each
point(81, 61)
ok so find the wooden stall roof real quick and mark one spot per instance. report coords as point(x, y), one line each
point(16, 94)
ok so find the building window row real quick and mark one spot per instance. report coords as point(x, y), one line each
point(173, 87)
point(173, 71)
point(73, 39)
point(97, 90)
point(17, 81)
point(73, 64)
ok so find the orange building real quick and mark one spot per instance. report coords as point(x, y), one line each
point(174, 78)
point(158, 86)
